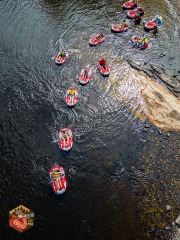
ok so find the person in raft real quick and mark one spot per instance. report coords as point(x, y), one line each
point(62, 53)
point(124, 24)
point(65, 135)
point(71, 92)
point(135, 3)
point(142, 41)
point(86, 71)
point(103, 63)
point(55, 174)
point(101, 35)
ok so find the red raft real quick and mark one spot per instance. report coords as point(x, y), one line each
point(71, 97)
point(98, 39)
point(65, 139)
point(60, 60)
point(135, 42)
point(118, 29)
point(103, 67)
point(136, 13)
point(150, 25)
point(129, 5)
point(85, 75)
point(58, 179)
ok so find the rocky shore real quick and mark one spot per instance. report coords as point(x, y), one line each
point(161, 95)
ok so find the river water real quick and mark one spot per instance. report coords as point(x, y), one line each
point(101, 201)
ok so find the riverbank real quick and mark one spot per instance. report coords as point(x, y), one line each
point(161, 103)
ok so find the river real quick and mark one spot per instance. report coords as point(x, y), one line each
point(120, 187)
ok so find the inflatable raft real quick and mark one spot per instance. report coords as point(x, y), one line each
point(71, 97)
point(58, 179)
point(118, 29)
point(103, 67)
point(129, 5)
point(136, 13)
point(60, 60)
point(153, 24)
point(85, 75)
point(96, 40)
point(65, 139)
point(135, 43)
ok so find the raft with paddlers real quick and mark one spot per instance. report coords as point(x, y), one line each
point(98, 39)
point(136, 13)
point(139, 42)
point(153, 24)
point(118, 28)
point(59, 60)
point(71, 97)
point(58, 179)
point(65, 139)
point(103, 67)
point(85, 75)
point(129, 5)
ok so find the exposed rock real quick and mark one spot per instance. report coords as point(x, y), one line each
point(160, 72)
point(173, 224)
point(160, 132)
point(157, 72)
point(167, 228)
point(162, 109)
point(175, 75)
point(172, 58)
point(168, 134)
point(168, 208)
point(145, 130)
point(162, 55)
point(177, 221)
point(150, 99)
point(142, 140)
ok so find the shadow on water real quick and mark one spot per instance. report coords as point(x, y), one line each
point(102, 198)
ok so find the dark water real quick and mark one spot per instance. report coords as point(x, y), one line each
point(32, 88)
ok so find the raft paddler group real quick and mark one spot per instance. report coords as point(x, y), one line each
point(65, 137)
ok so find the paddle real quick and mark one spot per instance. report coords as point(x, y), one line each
point(56, 140)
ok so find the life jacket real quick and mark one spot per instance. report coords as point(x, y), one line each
point(71, 92)
point(123, 25)
point(102, 62)
point(62, 53)
point(146, 40)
